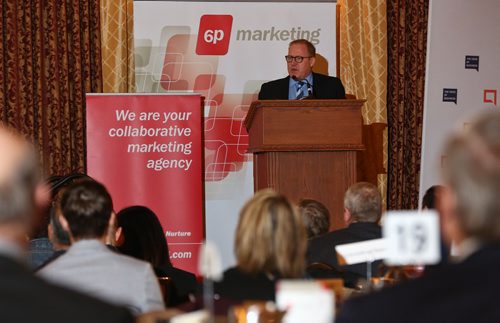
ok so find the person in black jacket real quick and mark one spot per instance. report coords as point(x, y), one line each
point(301, 82)
point(24, 297)
point(140, 235)
point(270, 243)
point(465, 291)
point(362, 212)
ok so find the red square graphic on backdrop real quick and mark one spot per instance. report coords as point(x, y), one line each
point(490, 96)
point(214, 34)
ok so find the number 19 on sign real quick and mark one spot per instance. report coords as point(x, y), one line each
point(412, 238)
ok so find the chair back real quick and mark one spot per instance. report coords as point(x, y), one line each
point(324, 270)
point(165, 283)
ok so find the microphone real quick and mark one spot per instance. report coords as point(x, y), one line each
point(310, 93)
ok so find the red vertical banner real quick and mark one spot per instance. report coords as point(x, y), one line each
point(148, 150)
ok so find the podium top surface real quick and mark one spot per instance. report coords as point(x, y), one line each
point(305, 125)
point(298, 104)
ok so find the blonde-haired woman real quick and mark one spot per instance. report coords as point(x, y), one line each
point(270, 244)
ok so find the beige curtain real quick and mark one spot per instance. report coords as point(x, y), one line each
point(117, 46)
point(363, 70)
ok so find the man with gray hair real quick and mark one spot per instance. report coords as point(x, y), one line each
point(362, 211)
point(466, 291)
point(26, 298)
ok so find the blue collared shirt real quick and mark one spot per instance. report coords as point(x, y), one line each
point(292, 87)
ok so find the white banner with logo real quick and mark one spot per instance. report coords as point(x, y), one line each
point(463, 74)
point(225, 51)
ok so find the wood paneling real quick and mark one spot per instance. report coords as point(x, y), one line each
point(306, 149)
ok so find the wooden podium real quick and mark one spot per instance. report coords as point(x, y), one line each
point(306, 149)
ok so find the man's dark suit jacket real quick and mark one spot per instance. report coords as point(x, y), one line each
point(322, 248)
point(324, 87)
point(26, 298)
point(459, 293)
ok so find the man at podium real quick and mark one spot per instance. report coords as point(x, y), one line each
point(301, 82)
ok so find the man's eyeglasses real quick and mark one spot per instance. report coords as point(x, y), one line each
point(297, 59)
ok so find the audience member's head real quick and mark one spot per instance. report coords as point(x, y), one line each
point(57, 234)
point(26, 298)
point(41, 226)
point(431, 197)
point(316, 217)
point(362, 203)
point(87, 210)
point(140, 235)
point(20, 190)
point(471, 205)
point(270, 237)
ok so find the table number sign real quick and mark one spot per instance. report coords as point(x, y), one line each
point(412, 238)
point(363, 251)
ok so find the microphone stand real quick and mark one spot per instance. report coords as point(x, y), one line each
point(310, 93)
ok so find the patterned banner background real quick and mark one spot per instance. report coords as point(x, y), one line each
point(172, 55)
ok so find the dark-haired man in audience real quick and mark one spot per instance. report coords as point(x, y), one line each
point(430, 201)
point(362, 212)
point(40, 248)
point(58, 237)
point(89, 265)
point(466, 291)
point(24, 297)
point(301, 81)
point(431, 196)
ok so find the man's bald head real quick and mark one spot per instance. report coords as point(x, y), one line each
point(18, 177)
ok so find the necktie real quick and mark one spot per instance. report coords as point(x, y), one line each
point(300, 93)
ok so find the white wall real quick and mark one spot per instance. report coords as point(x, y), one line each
point(457, 28)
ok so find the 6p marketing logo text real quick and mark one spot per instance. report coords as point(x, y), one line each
point(214, 34)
